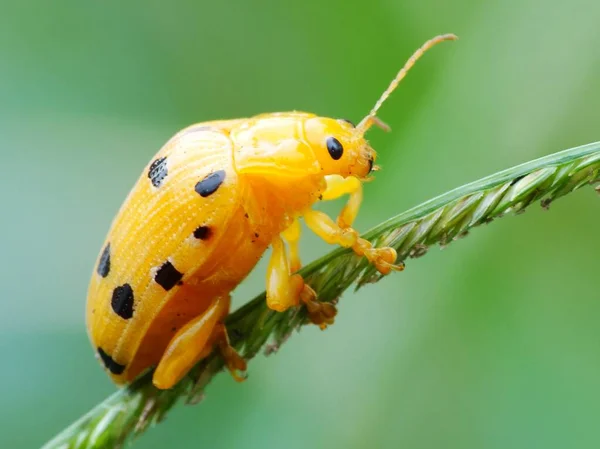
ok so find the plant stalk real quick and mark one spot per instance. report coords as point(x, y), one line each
point(441, 220)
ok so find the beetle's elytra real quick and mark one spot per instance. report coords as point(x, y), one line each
point(202, 214)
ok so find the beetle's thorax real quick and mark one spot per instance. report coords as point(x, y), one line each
point(297, 144)
point(278, 168)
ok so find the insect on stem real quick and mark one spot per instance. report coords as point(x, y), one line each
point(370, 119)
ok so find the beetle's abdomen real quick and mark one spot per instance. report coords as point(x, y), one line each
point(164, 237)
point(232, 259)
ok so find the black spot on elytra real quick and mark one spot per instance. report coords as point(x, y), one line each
point(210, 183)
point(167, 276)
point(109, 363)
point(122, 301)
point(202, 232)
point(158, 171)
point(104, 264)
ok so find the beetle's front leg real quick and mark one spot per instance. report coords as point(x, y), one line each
point(382, 258)
point(285, 290)
point(337, 186)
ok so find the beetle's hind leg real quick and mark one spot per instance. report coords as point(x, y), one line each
point(285, 290)
point(195, 341)
point(233, 360)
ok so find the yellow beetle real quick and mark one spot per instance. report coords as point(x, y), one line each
point(199, 218)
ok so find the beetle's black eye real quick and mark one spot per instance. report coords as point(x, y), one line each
point(349, 122)
point(335, 148)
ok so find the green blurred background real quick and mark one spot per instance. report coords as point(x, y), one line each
point(491, 343)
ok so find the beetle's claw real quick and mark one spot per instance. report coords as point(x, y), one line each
point(320, 313)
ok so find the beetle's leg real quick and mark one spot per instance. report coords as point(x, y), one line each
point(382, 258)
point(285, 290)
point(292, 236)
point(194, 341)
point(234, 361)
point(337, 186)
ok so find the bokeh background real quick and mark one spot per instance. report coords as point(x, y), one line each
point(490, 343)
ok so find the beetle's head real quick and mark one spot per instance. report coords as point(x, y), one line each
point(338, 147)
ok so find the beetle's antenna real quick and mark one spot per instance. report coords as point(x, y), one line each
point(370, 119)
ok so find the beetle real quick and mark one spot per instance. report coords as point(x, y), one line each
point(200, 217)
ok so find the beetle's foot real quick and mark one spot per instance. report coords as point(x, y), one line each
point(381, 258)
point(320, 313)
point(236, 365)
point(233, 360)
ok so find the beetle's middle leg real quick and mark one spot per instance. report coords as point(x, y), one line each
point(285, 290)
point(292, 236)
